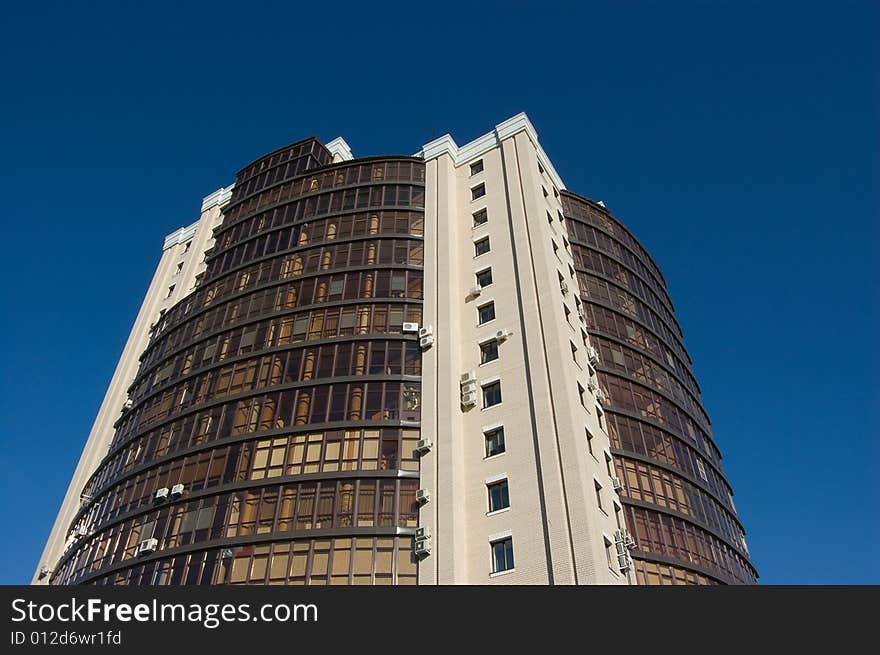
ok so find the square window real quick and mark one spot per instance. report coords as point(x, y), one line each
point(488, 351)
point(494, 442)
point(484, 278)
point(502, 555)
point(477, 167)
point(481, 247)
point(481, 217)
point(478, 191)
point(486, 312)
point(492, 394)
point(499, 497)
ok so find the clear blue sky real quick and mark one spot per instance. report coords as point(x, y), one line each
point(739, 140)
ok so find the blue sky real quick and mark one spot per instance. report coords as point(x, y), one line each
point(738, 140)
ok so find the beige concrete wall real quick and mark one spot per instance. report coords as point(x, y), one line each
point(554, 519)
point(182, 260)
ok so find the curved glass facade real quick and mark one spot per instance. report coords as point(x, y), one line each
point(281, 396)
point(677, 502)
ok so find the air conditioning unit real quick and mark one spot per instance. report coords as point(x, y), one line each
point(424, 445)
point(423, 496)
point(81, 531)
point(44, 571)
point(469, 399)
point(473, 292)
point(425, 331)
point(592, 386)
point(426, 342)
point(162, 494)
point(423, 548)
point(624, 562)
point(148, 546)
point(85, 498)
point(601, 397)
point(628, 540)
point(593, 355)
point(502, 335)
point(467, 378)
point(177, 491)
point(127, 405)
point(563, 286)
point(411, 327)
point(423, 533)
point(616, 483)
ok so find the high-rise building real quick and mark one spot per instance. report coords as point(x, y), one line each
point(436, 369)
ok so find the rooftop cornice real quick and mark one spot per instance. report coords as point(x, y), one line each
point(340, 150)
point(218, 198)
point(460, 155)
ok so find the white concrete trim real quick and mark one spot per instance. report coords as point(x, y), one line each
point(496, 478)
point(340, 149)
point(181, 235)
point(220, 197)
point(507, 534)
point(492, 426)
point(446, 145)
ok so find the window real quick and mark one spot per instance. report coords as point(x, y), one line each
point(574, 351)
point(581, 394)
point(492, 394)
point(487, 312)
point(502, 555)
point(555, 248)
point(481, 217)
point(477, 167)
point(179, 268)
point(188, 246)
point(598, 495)
point(170, 291)
point(499, 497)
point(545, 191)
point(549, 218)
point(481, 247)
point(701, 469)
point(555, 192)
point(484, 278)
point(488, 351)
point(494, 442)
point(601, 416)
point(609, 552)
point(567, 314)
point(540, 168)
point(478, 191)
point(609, 465)
point(589, 442)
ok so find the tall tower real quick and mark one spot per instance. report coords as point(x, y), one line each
point(382, 371)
